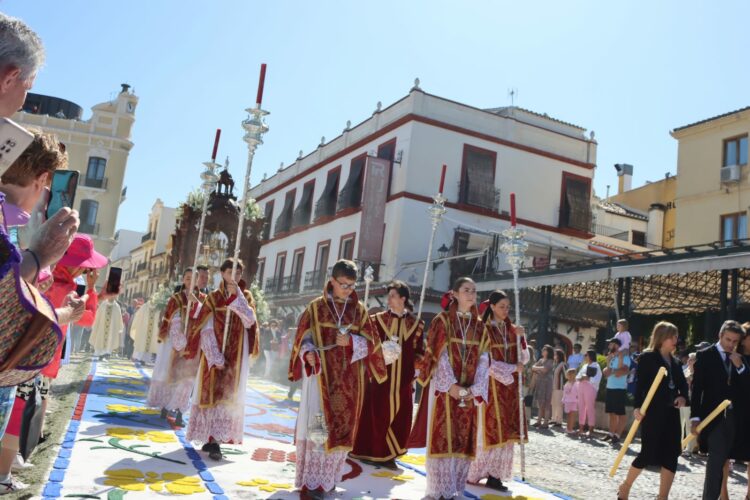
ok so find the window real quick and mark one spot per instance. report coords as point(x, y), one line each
point(89, 209)
point(575, 205)
point(346, 247)
point(478, 178)
point(303, 212)
point(321, 259)
point(735, 151)
point(274, 283)
point(388, 151)
point(733, 227)
point(261, 270)
point(296, 276)
point(639, 238)
point(315, 279)
point(268, 220)
point(351, 194)
point(326, 205)
point(95, 172)
point(284, 221)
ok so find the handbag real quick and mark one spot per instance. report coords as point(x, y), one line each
point(29, 333)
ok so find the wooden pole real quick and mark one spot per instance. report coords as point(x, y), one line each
point(722, 406)
point(633, 428)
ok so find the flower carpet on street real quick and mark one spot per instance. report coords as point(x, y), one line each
point(117, 448)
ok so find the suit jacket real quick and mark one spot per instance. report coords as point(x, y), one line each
point(712, 385)
point(648, 366)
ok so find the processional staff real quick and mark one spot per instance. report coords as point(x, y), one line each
point(633, 428)
point(514, 249)
point(436, 210)
point(254, 130)
point(210, 178)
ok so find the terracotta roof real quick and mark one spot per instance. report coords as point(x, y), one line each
point(712, 118)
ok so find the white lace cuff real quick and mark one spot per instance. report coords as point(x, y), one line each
point(481, 378)
point(502, 371)
point(359, 347)
point(444, 377)
point(308, 346)
point(210, 349)
point(176, 335)
point(241, 308)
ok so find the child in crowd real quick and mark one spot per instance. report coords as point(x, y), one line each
point(570, 398)
point(623, 335)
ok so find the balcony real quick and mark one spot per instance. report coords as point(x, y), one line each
point(92, 229)
point(277, 286)
point(146, 237)
point(314, 280)
point(93, 183)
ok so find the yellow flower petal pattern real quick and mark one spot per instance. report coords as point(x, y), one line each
point(126, 433)
point(123, 392)
point(135, 480)
point(143, 410)
point(413, 459)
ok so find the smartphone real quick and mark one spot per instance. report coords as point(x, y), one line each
point(14, 139)
point(113, 280)
point(81, 290)
point(62, 193)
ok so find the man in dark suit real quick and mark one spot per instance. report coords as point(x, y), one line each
point(719, 374)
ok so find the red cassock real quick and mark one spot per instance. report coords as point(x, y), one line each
point(501, 423)
point(387, 413)
point(217, 386)
point(342, 383)
point(452, 429)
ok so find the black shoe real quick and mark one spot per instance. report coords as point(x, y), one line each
point(496, 484)
point(214, 452)
point(206, 447)
point(178, 422)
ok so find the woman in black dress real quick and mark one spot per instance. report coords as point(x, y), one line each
point(660, 427)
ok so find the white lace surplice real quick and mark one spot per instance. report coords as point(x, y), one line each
point(317, 468)
point(446, 477)
point(166, 393)
point(495, 462)
point(223, 422)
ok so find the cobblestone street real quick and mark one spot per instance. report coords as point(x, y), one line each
point(580, 468)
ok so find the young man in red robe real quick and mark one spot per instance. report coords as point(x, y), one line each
point(174, 375)
point(217, 413)
point(334, 350)
point(387, 413)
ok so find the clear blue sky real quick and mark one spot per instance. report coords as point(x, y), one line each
point(631, 71)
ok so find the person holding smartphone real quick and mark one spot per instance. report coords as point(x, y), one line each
point(22, 186)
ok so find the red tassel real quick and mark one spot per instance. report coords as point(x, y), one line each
point(446, 300)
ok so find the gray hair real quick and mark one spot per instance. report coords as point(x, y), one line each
point(20, 47)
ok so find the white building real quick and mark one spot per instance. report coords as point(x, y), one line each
point(316, 211)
